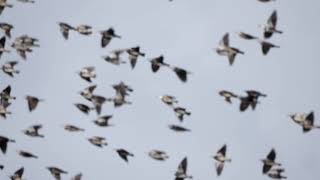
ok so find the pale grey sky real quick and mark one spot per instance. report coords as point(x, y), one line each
point(186, 33)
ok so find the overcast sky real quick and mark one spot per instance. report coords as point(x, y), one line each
point(186, 33)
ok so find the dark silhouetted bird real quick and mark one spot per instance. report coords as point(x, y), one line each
point(6, 27)
point(103, 121)
point(122, 89)
point(124, 154)
point(98, 141)
point(224, 49)
point(64, 29)
point(84, 108)
point(181, 172)
point(180, 112)
point(4, 143)
point(18, 174)
point(266, 46)
point(5, 95)
point(27, 154)
point(158, 62)
point(72, 128)
point(107, 35)
point(178, 128)
point(2, 46)
point(134, 53)
point(264, 1)
point(158, 155)
point(33, 131)
point(247, 36)
point(181, 73)
point(98, 101)
point(56, 172)
point(227, 95)
point(271, 26)
point(269, 161)
point(221, 158)
point(9, 69)
point(32, 102)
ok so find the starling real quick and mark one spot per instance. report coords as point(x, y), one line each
point(181, 73)
point(88, 73)
point(33, 102)
point(87, 93)
point(308, 123)
point(178, 128)
point(114, 57)
point(276, 173)
point(225, 50)
point(64, 29)
point(27, 154)
point(72, 128)
point(124, 154)
point(181, 172)
point(107, 35)
point(247, 36)
point(118, 101)
point(2, 46)
point(169, 100)
point(3, 108)
point(83, 108)
point(180, 112)
point(158, 62)
point(33, 131)
point(227, 95)
point(4, 143)
point(98, 101)
point(5, 94)
point(84, 29)
point(98, 141)
point(6, 27)
point(266, 46)
point(158, 155)
point(3, 4)
point(221, 158)
point(269, 162)
point(103, 121)
point(18, 174)
point(122, 89)
point(271, 26)
point(134, 53)
point(8, 68)
point(56, 172)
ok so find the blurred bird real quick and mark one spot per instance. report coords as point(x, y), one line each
point(1, 167)
point(3, 5)
point(308, 123)
point(247, 36)
point(181, 172)
point(4, 143)
point(72, 128)
point(5, 95)
point(98, 101)
point(178, 128)
point(158, 62)
point(118, 101)
point(27, 154)
point(77, 177)
point(2, 46)
point(27, 41)
point(134, 53)
point(9, 69)
point(276, 173)
point(84, 108)
point(26, 1)
point(88, 73)
point(180, 112)
point(255, 93)
point(181, 73)
point(6, 27)
point(33, 102)
point(18, 174)
point(64, 29)
point(266, 46)
point(227, 95)
point(158, 155)
point(107, 35)
point(33, 131)
point(56, 172)
point(264, 1)
point(84, 29)
point(169, 100)
point(87, 93)
point(114, 57)
point(271, 26)
point(98, 141)
point(3, 109)
point(122, 89)
point(250, 100)
point(124, 154)
point(225, 50)
point(269, 161)
point(221, 158)
point(103, 121)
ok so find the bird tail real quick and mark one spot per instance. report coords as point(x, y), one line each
point(278, 31)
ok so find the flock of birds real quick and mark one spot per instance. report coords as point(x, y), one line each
point(24, 44)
